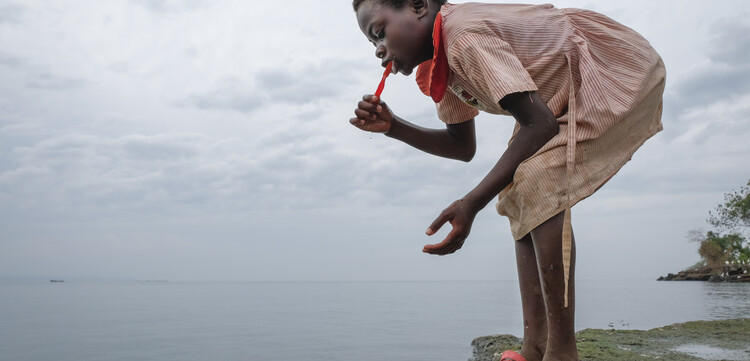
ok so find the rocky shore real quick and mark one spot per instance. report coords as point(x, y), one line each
point(727, 274)
point(727, 340)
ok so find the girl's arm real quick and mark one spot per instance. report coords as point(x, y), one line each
point(538, 126)
point(456, 141)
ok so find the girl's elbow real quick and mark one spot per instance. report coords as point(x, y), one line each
point(468, 154)
point(554, 129)
point(467, 157)
point(551, 128)
point(542, 131)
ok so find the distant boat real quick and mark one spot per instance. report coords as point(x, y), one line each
point(57, 280)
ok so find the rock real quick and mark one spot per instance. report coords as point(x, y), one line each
point(698, 276)
point(732, 273)
point(489, 348)
point(735, 271)
point(698, 340)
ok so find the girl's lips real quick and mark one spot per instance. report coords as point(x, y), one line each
point(396, 66)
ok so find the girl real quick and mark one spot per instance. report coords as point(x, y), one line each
point(585, 92)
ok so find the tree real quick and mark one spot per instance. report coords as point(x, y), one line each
point(729, 244)
point(734, 214)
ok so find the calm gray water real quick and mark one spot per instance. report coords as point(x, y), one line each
point(334, 321)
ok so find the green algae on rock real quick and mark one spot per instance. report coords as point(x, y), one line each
point(726, 340)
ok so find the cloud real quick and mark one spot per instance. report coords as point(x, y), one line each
point(48, 81)
point(77, 176)
point(11, 61)
point(35, 76)
point(714, 82)
point(169, 174)
point(198, 126)
point(11, 13)
point(731, 41)
point(726, 73)
point(314, 82)
point(326, 79)
point(85, 173)
point(170, 6)
point(231, 94)
point(707, 105)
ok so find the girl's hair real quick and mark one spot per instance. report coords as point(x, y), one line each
point(394, 3)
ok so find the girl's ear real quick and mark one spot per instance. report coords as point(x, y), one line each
point(420, 7)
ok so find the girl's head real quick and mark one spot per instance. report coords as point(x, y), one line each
point(401, 30)
point(394, 3)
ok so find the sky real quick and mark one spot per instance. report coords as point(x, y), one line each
point(197, 140)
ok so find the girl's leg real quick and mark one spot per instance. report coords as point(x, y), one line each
point(547, 240)
point(532, 301)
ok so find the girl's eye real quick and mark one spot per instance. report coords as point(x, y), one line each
point(381, 34)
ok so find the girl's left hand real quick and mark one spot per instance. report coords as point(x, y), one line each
point(461, 216)
point(373, 115)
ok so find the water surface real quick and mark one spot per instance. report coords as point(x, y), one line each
point(333, 321)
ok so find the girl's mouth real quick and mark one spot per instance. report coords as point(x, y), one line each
point(396, 66)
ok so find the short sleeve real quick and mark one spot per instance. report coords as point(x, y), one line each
point(490, 64)
point(452, 110)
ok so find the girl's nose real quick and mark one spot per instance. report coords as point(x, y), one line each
point(380, 52)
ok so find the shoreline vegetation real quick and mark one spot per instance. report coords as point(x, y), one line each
point(724, 251)
point(727, 340)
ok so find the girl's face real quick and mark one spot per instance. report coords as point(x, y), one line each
point(403, 36)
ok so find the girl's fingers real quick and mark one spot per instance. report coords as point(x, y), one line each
point(371, 98)
point(437, 248)
point(450, 244)
point(368, 115)
point(437, 223)
point(357, 122)
point(370, 107)
point(363, 114)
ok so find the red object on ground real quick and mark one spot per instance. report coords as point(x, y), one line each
point(512, 356)
point(382, 81)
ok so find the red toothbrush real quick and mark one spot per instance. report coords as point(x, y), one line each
point(382, 81)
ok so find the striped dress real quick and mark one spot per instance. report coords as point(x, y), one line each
point(602, 80)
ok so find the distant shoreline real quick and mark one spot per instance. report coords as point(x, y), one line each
point(727, 274)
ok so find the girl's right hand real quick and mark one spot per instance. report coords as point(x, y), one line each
point(372, 115)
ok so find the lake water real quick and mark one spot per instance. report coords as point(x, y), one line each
point(331, 321)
